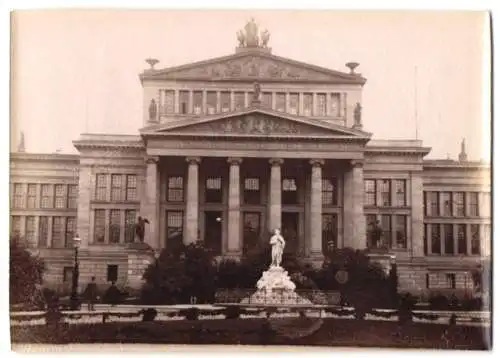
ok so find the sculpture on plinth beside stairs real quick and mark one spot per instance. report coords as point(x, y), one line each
point(140, 232)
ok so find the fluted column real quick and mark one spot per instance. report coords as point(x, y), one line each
point(417, 215)
point(234, 210)
point(275, 194)
point(86, 182)
point(192, 201)
point(150, 204)
point(354, 217)
point(316, 207)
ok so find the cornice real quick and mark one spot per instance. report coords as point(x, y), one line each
point(55, 157)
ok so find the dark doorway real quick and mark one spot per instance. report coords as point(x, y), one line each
point(290, 231)
point(213, 231)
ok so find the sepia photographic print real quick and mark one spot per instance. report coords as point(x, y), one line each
point(250, 178)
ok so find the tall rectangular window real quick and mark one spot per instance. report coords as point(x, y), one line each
point(267, 100)
point(449, 244)
point(101, 187)
point(116, 187)
point(280, 102)
point(432, 199)
point(459, 204)
point(335, 105)
point(446, 202)
point(31, 196)
point(474, 204)
point(130, 225)
point(47, 198)
point(251, 191)
point(43, 231)
point(386, 192)
point(184, 102)
point(114, 226)
point(58, 231)
point(321, 104)
point(225, 101)
point(72, 196)
point(371, 222)
point(198, 102)
point(18, 196)
point(386, 230)
point(475, 240)
point(213, 190)
point(328, 232)
point(15, 228)
point(168, 106)
point(30, 229)
point(370, 192)
point(99, 225)
point(329, 191)
point(211, 102)
point(401, 240)
point(435, 239)
point(451, 281)
point(70, 231)
point(400, 187)
point(251, 231)
point(131, 194)
point(174, 226)
point(112, 273)
point(67, 273)
point(462, 239)
point(239, 101)
point(293, 107)
point(308, 104)
point(289, 191)
point(175, 189)
point(61, 196)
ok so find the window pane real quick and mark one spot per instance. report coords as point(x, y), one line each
point(446, 202)
point(183, 102)
point(99, 225)
point(168, 106)
point(329, 191)
point(462, 240)
point(112, 273)
point(294, 103)
point(30, 230)
point(101, 187)
point(370, 193)
point(198, 102)
point(251, 192)
point(175, 189)
point(435, 239)
point(213, 190)
point(239, 100)
point(475, 239)
point(321, 104)
point(43, 232)
point(72, 196)
point(450, 280)
point(335, 105)
point(474, 208)
point(448, 239)
point(130, 225)
point(32, 196)
point(400, 186)
point(225, 99)
point(251, 231)
point(131, 187)
point(386, 231)
point(174, 226)
point(58, 231)
point(459, 204)
point(280, 102)
point(211, 102)
point(308, 103)
point(267, 100)
point(61, 196)
point(401, 241)
point(329, 232)
point(116, 187)
point(16, 226)
point(114, 226)
point(386, 192)
point(289, 191)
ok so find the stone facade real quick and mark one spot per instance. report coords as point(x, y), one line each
point(216, 162)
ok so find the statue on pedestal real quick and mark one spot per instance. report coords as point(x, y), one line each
point(140, 228)
point(278, 245)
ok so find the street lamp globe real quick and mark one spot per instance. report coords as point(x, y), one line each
point(76, 241)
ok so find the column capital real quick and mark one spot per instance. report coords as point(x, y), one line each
point(276, 161)
point(317, 162)
point(151, 160)
point(234, 160)
point(193, 160)
point(357, 163)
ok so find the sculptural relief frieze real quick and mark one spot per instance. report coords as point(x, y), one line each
point(251, 67)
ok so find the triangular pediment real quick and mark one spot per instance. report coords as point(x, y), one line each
point(256, 123)
point(253, 66)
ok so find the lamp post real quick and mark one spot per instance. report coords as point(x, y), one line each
point(74, 302)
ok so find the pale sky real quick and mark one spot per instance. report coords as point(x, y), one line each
point(77, 71)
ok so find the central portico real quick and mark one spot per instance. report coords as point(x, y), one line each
point(235, 177)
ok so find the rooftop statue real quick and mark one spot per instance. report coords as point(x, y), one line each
point(249, 37)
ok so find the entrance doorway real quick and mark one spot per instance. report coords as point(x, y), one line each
point(213, 231)
point(290, 231)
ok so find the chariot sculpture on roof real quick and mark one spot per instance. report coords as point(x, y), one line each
point(249, 37)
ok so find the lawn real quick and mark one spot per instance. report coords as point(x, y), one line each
point(333, 332)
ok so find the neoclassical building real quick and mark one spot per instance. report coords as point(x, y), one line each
point(236, 146)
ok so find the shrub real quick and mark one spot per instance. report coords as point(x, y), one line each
point(438, 302)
